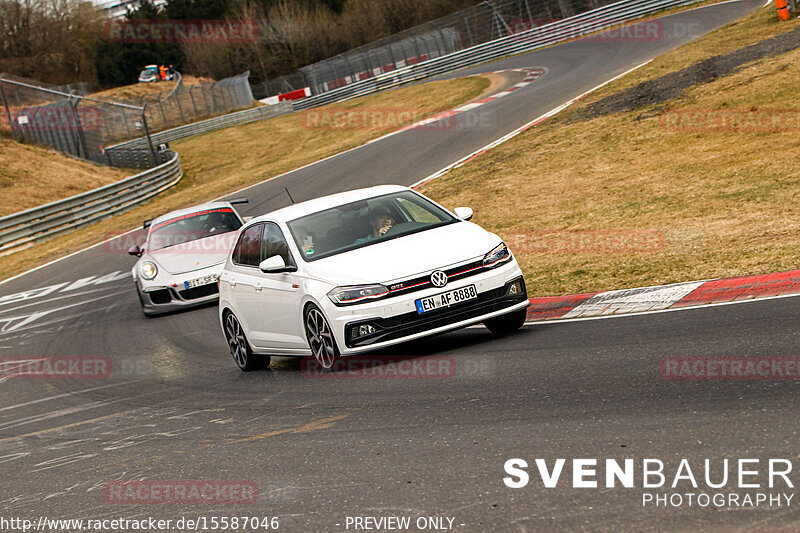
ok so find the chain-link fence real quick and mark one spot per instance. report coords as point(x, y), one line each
point(185, 104)
point(469, 27)
point(83, 126)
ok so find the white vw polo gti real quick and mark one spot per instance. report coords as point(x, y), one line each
point(362, 270)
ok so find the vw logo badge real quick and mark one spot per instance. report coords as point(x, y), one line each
point(439, 278)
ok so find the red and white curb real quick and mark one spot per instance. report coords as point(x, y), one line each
point(531, 75)
point(665, 297)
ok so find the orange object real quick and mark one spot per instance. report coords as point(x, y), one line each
point(783, 9)
point(163, 70)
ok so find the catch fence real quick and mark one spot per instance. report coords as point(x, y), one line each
point(84, 126)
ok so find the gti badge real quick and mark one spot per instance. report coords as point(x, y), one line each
point(439, 278)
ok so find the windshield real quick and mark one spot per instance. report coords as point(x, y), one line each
point(364, 223)
point(191, 227)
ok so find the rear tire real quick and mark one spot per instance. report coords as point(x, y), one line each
point(242, 354)
point(508, 323)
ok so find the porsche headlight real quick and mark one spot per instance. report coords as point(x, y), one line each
point(148, 270)
point(497, 256)
point(357, 294)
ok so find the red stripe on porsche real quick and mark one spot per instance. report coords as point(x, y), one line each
point(192, 215)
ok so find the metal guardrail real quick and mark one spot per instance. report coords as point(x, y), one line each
point(56, 218)
point(576, 26)
point(253, 114)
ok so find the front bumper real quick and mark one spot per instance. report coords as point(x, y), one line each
point(158, 298)
point(399, 327)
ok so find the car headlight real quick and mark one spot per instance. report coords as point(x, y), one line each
point(497, 256)
point(357, 294)
point(148, 270)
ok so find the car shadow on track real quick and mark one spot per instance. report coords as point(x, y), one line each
point(472, 342)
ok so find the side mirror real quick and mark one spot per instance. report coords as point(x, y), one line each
point(464, 213)
point(275, 264)
point(135, 250)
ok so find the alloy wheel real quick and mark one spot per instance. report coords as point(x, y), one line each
point(320, 337)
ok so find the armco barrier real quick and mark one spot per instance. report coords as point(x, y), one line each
point(63, 216)
point(48, 221)
point(524, 41)
point(233, 119)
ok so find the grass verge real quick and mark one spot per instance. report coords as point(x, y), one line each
point(626, 200)
point(220, 162)
point(32, 176)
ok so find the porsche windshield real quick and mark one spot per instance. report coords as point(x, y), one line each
point(191, 227)
point(365, 222)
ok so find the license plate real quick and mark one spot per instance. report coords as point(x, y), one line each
point(446, 299)
point(205, 280)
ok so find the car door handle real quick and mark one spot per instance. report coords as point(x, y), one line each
point(232, 281)
point(257, 285)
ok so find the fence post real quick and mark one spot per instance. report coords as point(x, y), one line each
point(213, 100)
point(161, 108)
point(8, 112)
point(149, 140)
point(194, 105)
point(530, 16)
point(178, 101)
point(79, 135)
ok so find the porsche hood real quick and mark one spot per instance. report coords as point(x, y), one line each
point(195, 255)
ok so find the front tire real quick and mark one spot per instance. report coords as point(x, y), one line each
point(508, 323)
point(320, 338)
point(242, 354)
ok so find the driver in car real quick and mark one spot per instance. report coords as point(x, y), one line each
point(381, 221)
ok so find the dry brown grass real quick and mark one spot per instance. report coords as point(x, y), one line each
point(137, 90)
point(759, 25)
point(719, 204)
point(220, 162)
point(31, 176)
